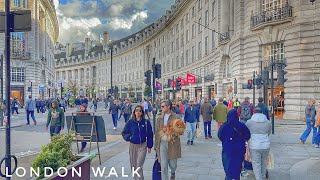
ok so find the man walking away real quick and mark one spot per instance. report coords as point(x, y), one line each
point(213, 102)
point(63, 104)
point(263, 107)
point(191, 118)
point(245, 110)
point(220, 113)
point(38, 105)
point(15, 105)
point(236, 104)
point(146, 108)
point(206, 112)
point(126, 110)
point(259, 144)
point(114, 110)
point(94, 104)
point(30, 107)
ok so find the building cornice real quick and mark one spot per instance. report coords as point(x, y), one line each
point(49, 6)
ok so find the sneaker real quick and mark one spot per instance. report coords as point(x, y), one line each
point(206, 137)
point(114, 128)
point(302, 141)
point(188, 143)
point(316, 145)
point(82, 149)
point(191, 142)
point(28, 124)
point(210, 136)
point(35, 122)
point(173, 177)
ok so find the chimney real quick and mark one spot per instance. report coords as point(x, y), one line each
point(87, 45)
point(106, 38)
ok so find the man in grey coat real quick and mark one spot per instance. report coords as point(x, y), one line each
point(206, 111)
point(30, 107)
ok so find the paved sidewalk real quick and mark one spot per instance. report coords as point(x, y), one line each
point(203, 160)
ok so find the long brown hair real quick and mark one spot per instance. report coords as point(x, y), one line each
point(133, 115)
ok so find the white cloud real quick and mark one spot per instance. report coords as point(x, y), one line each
point(118, 23)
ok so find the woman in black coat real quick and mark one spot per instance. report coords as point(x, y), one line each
point(233, 135)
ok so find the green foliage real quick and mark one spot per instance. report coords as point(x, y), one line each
point(72, 100)
point(56, 154)
point(147, 91)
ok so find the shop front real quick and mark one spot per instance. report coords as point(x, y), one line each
point(279, 100)
point(17, 91)
point(211, 92)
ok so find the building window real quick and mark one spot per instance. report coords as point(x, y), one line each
point(181, 24)
point(272, 5)
point(19, 3)
point(187, 36)
point(213, 40)
point(206, 20)
point(193, 54)
point(163, 51)
point(199, 5)
point(187, 57)
point(178, 63)
point(182, 40)
point(172, 46)
point(177, 43)
point(182, 60)
point(193, 30)
point(177, 28)
point(199, 27)
point(227, 68)
point(199, 51)
point(18, 43)
point(187, 18)
point(213, 10)
point(168, 66)
point(18, 74)
point(206, 46)
point(275, 51)
point(193, 12)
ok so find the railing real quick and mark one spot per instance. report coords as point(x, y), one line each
point(224, 37)
point(271, 16)
point(20, 55)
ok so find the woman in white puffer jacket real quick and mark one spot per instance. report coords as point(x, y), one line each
point(259, 143)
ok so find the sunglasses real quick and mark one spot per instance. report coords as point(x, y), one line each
point(138, 110)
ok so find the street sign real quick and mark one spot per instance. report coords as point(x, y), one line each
point(41, 88)
point(150, 94)
point(21, 21)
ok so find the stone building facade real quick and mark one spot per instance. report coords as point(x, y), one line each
point(32, 53)
point(237, 38)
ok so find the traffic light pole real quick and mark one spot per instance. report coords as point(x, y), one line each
point(154, 112)
point(173, 94)
point(272, 95)
point(60, 90)
point(31, 87)
point(111, 53)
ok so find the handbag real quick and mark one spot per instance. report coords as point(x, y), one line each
point(199, 132)
point(270, 161)
point(156, 171)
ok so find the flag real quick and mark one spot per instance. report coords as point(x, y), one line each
point(158, 85)
point(191, 79)
point(182, 81)
point(173, 82)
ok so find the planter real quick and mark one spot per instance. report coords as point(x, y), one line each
point(83, 163)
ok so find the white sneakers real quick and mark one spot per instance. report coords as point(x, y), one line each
point(114, 128)
point(316, 146)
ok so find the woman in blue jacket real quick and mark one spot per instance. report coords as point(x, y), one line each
point(138, 132)
point(233, 134)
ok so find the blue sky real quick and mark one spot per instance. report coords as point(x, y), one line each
point(79, 19)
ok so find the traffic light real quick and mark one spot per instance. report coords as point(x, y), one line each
point(29, 89)
point(109, 91)
point(265, 77)
point(257, 81)
point(116, 89)
point(280, 77)
point(157, 71)
point(178, 86)
point(147, 80)
point(250, 83)
point(169, 82)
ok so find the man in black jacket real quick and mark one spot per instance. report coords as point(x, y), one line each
point(263, 107)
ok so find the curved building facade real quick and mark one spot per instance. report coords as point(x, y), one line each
point(32, 53)
point(235, 38)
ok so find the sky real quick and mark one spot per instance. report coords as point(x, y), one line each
point(79, 19)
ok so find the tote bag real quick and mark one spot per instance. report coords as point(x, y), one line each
point(156, 171)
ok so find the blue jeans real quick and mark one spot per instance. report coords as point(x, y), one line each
point(181, 116)
point(126, 117)
point(32, 116)
point(55, 130)
point(147, 113)
point(191, 129)
point(115, 119)
point(318, 136)
point(95, 107)
point(306, 133)
point(207, 128)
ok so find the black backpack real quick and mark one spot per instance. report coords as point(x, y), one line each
point(245, 111)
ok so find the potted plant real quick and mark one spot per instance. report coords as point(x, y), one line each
point(58, 156)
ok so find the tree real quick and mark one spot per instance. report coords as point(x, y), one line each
point(147, 91)
point(72, 87)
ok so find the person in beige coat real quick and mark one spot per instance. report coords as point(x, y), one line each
point(168, 152)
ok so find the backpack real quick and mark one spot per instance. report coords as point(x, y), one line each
point(245, 111)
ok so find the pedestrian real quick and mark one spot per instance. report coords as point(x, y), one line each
point(310, 114)
point(38, 105)
point(86, 101)
point(236, 104)
point(263, 107)
point(83, 112)
point(182, 110)
point(146, 108)
point(30, 107)
point(317, 125)
point(245, 110)
point(94, 104)
point(259, 143)
point(213, 102)
point(114, 110)
point(63, 104)
point(105, 103)
point(191, 119)
point(77, 101)
point(225, 102)
point(55, 119)
point(126, 110)
point(15, 105)
point(168, 152)
point(175, 108)
point(230, 104)
point(220, 113)
point(233, 135)
point(138, 132)
point(206, 112)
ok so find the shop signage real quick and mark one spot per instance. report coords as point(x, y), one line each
point(191, 79)
point(182, 81)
